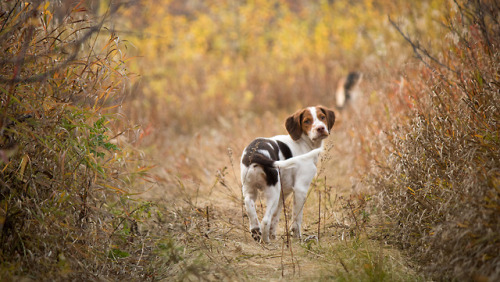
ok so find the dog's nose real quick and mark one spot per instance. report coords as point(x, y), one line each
point(321, 129)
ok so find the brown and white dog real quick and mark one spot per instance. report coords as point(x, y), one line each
point(295, 155)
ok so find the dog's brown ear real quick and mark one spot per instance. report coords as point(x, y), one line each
point(293, 125)
point(330, 116)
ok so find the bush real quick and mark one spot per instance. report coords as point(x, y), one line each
point(64, 182)
point(440, 185)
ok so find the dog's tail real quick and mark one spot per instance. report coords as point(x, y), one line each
point(291, 162)
point(261, 160)
point(266, 162)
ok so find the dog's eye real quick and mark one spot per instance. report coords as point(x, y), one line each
point(307, 121)
point(322, 117)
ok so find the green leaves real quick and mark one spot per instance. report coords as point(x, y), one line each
point(59, 166)
point(98, 139)
point(117, 253)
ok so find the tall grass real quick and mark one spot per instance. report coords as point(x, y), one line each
point(440, 184)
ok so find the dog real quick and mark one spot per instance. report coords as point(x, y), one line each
point(348, 89)
point(283, 164)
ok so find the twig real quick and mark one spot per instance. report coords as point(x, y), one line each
point(242, 199)
point(353, 215)
point(284, 213)
point(282, 254)
point(288, 243)
point(286, 228)
point(324, 210)
point(416, 48)
point(8, 16)
point(319, 212)
point(343, 264)
point(142, 252)
point(127, 217)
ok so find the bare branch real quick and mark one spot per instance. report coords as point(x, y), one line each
point(419, 50)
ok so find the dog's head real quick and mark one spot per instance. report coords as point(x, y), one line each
point(314, 122)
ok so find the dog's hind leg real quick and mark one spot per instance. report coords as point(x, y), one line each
point(272, 195)
point(276, 216)
point(250, 197)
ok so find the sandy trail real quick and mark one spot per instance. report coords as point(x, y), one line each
point(205, 213)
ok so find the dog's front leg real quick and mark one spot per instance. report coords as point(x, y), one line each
point(298, 208)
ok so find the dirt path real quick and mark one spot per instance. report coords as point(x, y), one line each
point(221, 247)
point(206, 218)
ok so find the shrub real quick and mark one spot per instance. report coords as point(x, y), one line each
point(64, 183)
point(440, 185)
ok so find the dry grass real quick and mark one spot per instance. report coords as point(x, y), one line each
point(439, 185)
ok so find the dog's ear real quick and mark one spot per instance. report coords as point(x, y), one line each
point(293, 125)
point(330, 116)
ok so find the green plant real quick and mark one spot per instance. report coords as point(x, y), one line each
point(61, 170)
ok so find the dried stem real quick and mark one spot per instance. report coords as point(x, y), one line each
point(319, 213)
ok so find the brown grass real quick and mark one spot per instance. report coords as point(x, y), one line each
point(439, 185)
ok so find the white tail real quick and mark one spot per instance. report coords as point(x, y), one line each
point(291, 162)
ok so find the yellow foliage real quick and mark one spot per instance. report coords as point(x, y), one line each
point(217, 52)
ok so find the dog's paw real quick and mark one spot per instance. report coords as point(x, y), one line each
point(295, 233)
point(256, 234)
